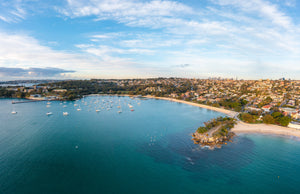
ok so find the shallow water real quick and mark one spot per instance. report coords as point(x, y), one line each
point(148, 150)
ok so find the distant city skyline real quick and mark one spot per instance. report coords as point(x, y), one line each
point(83, 39)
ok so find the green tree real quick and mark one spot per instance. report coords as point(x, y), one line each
point(277, 115)
point(268, 119)
point(284, 121)
point(248, 118)
point(201, 130)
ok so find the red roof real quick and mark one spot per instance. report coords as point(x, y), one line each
point(267, 106)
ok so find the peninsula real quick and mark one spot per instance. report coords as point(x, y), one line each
point(215, 132)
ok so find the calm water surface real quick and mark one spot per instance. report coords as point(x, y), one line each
point(148, 150)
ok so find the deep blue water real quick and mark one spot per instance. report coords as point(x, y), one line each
point(148, 150)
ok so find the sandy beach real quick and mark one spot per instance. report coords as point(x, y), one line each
point(242, 127)
point(227, 112)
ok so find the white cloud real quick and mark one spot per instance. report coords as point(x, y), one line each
point(216, 25)
point(100, 36)
point(12, 11)
point(228, 36)
point(121, 8)
point(264, 9)
point(129, 12)
point(290, 3)
point(25, 52)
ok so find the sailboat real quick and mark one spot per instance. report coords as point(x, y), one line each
point(65, 113)
point(14, 112)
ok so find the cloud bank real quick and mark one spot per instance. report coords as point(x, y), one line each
point(33, 72)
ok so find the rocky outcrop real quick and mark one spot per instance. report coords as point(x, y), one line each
point(207, 140)
point(215, 132)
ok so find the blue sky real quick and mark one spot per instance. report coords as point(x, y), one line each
point(82, 39)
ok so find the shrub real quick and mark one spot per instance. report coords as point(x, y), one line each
point(201, 130)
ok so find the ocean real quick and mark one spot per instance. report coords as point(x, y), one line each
point(146, 148)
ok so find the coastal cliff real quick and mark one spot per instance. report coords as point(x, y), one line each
point(215, 132)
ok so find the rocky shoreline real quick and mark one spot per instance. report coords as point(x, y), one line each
point(215, 133)
point(212, 142)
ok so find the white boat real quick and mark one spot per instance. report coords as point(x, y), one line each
point(75, 105)
point(65, 113)
point(48, 102)
point(64, 106)
point(97, 110)
point(49, 113)
point(78, 109)
point(48, 106)
point(13, 110)
point(119, 111)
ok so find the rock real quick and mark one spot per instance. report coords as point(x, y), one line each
point(206, 140)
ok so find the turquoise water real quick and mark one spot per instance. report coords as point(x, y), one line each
point(148, 150)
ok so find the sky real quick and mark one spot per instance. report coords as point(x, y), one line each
point(83, 39)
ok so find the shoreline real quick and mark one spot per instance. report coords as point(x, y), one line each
point(221, 110)
point(242, 127)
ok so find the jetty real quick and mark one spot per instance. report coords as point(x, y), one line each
point(27, 101)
